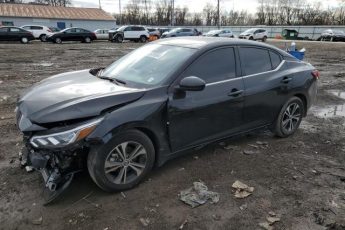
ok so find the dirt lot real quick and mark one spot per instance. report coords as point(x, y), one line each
point(301, 178)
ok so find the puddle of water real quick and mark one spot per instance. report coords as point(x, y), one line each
point(44, 64)
point(332, 110)
point(329, 111)
point(337, 93)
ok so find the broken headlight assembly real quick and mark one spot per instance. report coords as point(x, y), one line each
point(61, 139)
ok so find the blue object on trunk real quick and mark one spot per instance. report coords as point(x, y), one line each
point(297, 54)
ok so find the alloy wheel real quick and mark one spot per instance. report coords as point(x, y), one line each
point(125, 162)
point(25, 40)
point(291, 117)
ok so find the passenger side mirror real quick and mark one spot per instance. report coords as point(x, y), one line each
point(192, 84)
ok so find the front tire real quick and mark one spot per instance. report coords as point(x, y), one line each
point(289, 118)
point(123, 162)
point(118, 39)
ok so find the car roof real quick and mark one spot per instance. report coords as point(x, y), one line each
point(32, 25)
point(211, 42)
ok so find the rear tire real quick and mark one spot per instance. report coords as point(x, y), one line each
point(87, 40)
point(143, 38)
point(264, 39)
point(43, 38)
point(24, 40)
point(289, 118)
point(123, 162)
point(58, 40)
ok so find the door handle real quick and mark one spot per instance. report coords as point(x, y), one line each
point(235, 93)
point(286, 80)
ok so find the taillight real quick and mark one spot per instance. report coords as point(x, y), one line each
point(316, 74)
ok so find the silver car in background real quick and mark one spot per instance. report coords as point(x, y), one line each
point(220, 33)
point(254, 34)
point(102, 34)
point(179, 32)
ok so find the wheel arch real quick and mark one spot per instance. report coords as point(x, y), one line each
point(159, 140)
point(304, 100)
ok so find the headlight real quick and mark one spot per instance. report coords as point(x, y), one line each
point(61, 139)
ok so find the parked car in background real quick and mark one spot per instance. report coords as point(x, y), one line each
point(155, 103)
point(72, 34)
point(333, 36)
point(102, 34)
point(12, 33)
point(163, 30)
point(254, 34)
point(132, 33)
point(39, 32)
point(54, 29)
point(220, 33)
point(154, 32)
point(179, 32)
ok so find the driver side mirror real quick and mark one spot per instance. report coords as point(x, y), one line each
point(192, 84)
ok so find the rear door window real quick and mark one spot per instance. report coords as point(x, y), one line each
point(255, 60)
point(14, 29)
point(215, 65)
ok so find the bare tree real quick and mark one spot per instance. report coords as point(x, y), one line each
point(54, 2)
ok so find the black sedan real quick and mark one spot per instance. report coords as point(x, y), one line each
point(72, 34)
point(157, 102)
point(11, 33)
point(333, 36)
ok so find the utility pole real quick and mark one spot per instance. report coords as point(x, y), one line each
point(172, 13)
point(120, 13)
point(99, 4)
point(147, 15)
point(218, 21)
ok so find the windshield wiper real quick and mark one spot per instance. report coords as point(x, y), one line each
point(112, 79)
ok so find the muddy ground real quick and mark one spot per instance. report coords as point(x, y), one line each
point(301, 178)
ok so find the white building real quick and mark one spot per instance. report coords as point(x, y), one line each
point(51, 16)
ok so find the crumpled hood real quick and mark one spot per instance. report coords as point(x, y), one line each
point(72, 95)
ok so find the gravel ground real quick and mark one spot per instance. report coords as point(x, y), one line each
point(300, 178)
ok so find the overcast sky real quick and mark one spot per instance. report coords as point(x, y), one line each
point(112, 6)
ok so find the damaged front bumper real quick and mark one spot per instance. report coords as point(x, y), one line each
point(56, 167)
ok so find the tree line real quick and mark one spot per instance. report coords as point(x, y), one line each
point(268, 12)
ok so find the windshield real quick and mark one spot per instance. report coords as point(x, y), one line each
point(249, 31)
point(122, 28)
point(149, 65)
point(175, 30)
point(214, 32)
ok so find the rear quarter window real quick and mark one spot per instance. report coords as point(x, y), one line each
point(275, 59)
point(36, 28)
point(255, 60)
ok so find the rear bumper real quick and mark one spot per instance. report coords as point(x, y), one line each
point(312, 94)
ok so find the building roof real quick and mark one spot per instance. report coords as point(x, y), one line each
point(53, 12)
